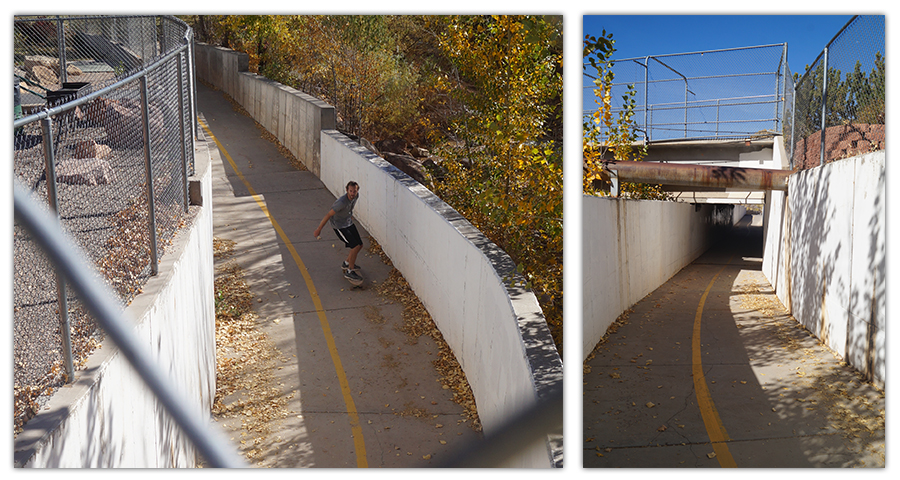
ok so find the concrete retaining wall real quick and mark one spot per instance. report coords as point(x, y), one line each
point(497, 331)
point(294, 117)
point(630, 248)
point(825, 254)
point(108, 418)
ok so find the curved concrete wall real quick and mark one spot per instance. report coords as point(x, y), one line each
point(825, 253)
point(108, 418)
point(632, 247)
point(497, 331)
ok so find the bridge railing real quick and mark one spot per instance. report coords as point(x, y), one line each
point(708, 95)
point(841, 113)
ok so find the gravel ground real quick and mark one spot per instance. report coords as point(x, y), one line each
point(109, 222)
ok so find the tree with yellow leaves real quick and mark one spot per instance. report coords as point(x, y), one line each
point(607, 136)
point(507, 72)
point(482, 92)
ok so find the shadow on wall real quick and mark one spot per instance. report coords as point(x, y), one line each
point(838, 261)
point(812, 269)
point(865, 322)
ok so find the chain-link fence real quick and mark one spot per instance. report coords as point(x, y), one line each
point(849, 75)
point(103, 137)
point(735, 93)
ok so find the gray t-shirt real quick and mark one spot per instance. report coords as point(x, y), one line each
point(343, 212)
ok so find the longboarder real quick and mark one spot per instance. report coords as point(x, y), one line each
point(341, 217)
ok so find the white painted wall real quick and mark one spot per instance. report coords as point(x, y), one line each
point(497, 332)
point(109, 418)
point(825, 253)
point(630, 248)
point(294, 117)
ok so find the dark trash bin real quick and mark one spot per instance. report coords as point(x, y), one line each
point(69, 92)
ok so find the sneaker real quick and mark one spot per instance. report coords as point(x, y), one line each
point(346, 265)
point(352, 276)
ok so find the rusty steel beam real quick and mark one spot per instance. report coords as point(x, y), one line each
point(707, 176)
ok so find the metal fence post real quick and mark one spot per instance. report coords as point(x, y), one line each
point(148, 167)
point(61, 46)
point(824, 105)
point(181, 112)
point(646, 96)
point(793, 124)
point(61, 293)
point(685, 108)
point(718, 108)
point(193, 87)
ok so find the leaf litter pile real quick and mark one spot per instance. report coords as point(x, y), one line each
point(852, 404)
point(246, 387)
point(418, 322)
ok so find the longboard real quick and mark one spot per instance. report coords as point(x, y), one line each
point(354, 283)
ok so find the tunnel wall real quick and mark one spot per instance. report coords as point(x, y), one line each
point(631, 247)
point(825, 254)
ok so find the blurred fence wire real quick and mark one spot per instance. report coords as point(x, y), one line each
point(103, 139)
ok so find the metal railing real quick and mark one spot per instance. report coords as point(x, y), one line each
point(63, 226)
point(104, 141)
point(731, 93)
point(842, 113)
point(69, 262)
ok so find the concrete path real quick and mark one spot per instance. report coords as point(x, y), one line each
point(738, 384)
point(359, 392)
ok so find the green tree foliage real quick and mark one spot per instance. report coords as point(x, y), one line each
point(482, 92)
point(856, 97)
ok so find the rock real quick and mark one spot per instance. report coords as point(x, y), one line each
point(85, 171)
point(434, 165)
point(419, 152)
point(121, 119)
point(408, 165)
point(90, 149)
point(365, 143)
point(392, 145)
point(44, 76)
point(73, 71)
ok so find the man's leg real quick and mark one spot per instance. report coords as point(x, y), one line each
point(351, 258)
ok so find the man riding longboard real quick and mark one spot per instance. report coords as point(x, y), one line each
point(341, 217)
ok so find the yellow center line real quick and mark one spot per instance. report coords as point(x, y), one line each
point(355, 427)
point(714, 428)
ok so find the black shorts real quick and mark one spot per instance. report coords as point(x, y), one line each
point(349, 235)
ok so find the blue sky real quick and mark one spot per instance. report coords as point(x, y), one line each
point(640, 35)
point(637, 36)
